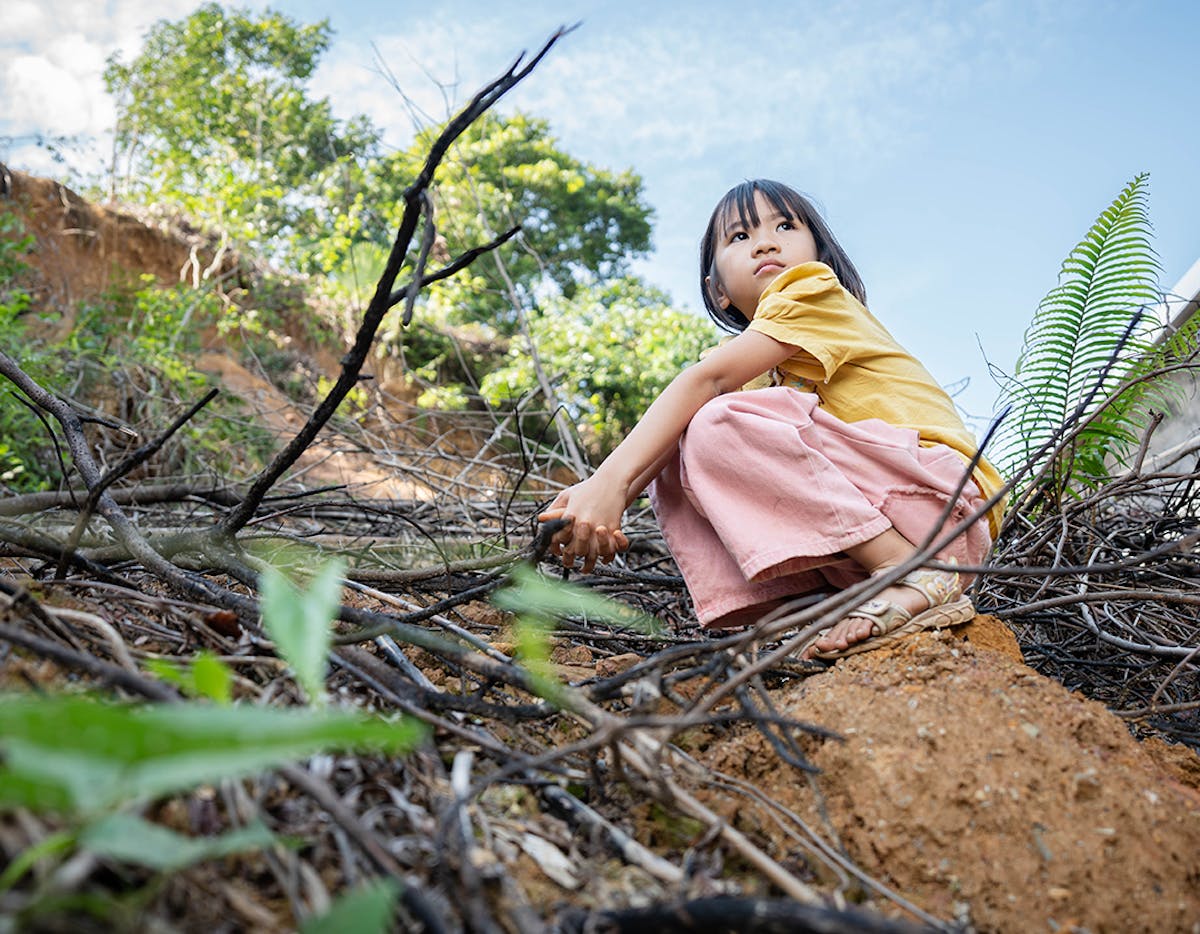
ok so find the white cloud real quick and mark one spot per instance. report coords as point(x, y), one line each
point(52, 56)
point(21, 17)
point(859, 76)
point(47, 96)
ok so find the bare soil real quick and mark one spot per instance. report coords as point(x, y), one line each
point(983, 790)
point(84, 249)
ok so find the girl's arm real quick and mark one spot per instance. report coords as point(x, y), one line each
point(595, 505)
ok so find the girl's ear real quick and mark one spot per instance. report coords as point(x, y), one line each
point(717, 292)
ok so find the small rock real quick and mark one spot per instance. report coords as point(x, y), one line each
point(615, 664)
point(1085, 786)
point(579, 655)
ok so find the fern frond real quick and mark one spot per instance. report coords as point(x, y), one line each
point(1173, 353)
point(1079, 346)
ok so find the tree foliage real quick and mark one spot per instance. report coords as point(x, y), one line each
point(610, 349)
point(580, 223)
point(16, 421)
point(215, 116)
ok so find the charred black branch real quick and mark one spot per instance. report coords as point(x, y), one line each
point(352, 364)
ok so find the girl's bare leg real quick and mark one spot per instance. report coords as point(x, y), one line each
point(885, 550)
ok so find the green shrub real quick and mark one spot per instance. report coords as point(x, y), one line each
point(609, 350)
point(130, 355)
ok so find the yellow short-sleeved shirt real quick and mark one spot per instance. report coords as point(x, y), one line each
point(855, 366)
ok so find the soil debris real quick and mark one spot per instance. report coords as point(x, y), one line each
point(982, 790)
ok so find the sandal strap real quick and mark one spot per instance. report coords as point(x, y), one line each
point(939, 617)
point(938, 587)
point(884, 615)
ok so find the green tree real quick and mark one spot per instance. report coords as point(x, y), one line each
point(580, 223)
point(215, 116)
point(610, 349)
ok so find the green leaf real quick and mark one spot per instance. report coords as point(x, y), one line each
point(170, 671)
point(299, 622)
point(69, 754)
point(533, 651)
point(365, 911)
point(61, 842)
point(208, 677)
point(1073, 339)
point(211, 678)
point(131, 839)
point(533, 594)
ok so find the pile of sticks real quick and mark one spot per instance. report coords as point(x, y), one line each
point(99, 579)
point(1103, 592)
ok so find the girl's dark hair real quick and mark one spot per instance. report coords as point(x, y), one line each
point(739, 202)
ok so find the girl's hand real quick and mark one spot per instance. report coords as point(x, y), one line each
point(594, 511)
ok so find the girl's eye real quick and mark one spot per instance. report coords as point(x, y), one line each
point(786, 225)
point(738, 235)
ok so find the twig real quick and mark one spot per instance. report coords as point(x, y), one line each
point(139, 456)
point(725, 913)
point(113, 674)
point(631, 851)
point(411, 897)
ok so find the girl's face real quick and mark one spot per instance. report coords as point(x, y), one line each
point(748, 258)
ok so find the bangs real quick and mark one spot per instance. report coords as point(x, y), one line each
point(738, 206)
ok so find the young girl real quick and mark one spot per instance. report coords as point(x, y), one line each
point(835, 472)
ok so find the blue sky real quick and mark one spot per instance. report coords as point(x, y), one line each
point(958, 149)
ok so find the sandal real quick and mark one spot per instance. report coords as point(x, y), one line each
point(890, 622)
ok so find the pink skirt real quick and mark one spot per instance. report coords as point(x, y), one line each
point(767, 489)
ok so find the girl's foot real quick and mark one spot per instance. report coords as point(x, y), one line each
point(907, 605)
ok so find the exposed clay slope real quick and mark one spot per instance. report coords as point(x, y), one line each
point(979, 788)
point(84, 249)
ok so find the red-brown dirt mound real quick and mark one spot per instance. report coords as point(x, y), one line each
point(84, 249)
point(982, 790)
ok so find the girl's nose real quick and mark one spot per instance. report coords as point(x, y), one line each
point(765, 244)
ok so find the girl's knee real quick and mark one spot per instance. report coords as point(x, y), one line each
point(716, 419)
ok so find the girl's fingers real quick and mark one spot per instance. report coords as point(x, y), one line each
point(589, 559)
point(575, 543)
point(579, 540)
point(602, 545)
point(564, 533)
point(616, 542)
point(559, 527)
point(583, 537)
